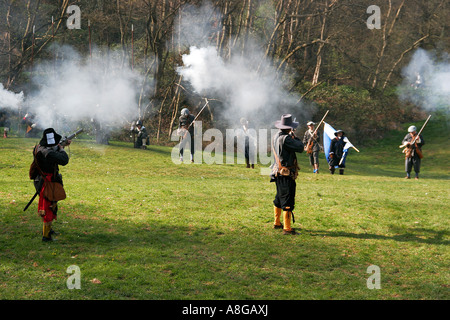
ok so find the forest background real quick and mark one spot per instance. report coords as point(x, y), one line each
point(324, 54)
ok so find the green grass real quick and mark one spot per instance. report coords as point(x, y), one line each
point(150, 229)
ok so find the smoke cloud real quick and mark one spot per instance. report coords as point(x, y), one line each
point(246, 82)
point(77, 88)
point(10, 100)
point(427, 81)
point(102, 88)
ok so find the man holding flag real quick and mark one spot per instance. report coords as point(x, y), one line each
point(336, 146)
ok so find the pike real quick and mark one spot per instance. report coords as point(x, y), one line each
point(63, 143)
point(310, 142)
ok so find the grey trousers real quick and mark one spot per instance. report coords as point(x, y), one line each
point(412, 162)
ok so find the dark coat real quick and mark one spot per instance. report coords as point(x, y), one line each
point(185, 121)
point(48, 159)
point(409, 138)
point(337, 149)
point(285, 147)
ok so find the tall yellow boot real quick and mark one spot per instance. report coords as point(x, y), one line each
point(47, 227)
point(277, 223)
point(287, 223)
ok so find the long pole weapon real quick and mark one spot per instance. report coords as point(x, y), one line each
point(309, 145)
point(315, 131)
point(418, 135)
point(198, 113)
point(187, 129)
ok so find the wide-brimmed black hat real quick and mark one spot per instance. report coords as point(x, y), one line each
point(286, 122)
point(50, 138)
point(336, 132)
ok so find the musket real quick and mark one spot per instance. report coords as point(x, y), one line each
point(418, 135)
point(65, 140)
point(198, 114)
point(309, 145)
point(184, 136)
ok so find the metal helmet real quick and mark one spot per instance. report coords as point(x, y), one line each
point(185, 112)
point(412, 129)
point(139, 123)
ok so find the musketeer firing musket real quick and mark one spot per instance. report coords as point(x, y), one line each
point(48, 155)
point(412, 144)
point(186, 130)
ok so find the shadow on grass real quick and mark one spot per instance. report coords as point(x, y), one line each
point(422, 235)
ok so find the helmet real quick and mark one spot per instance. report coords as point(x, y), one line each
point(412, 129)
point(185, 112)
point(139, 123)
point(243, 121)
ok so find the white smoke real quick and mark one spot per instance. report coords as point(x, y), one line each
point(246, 82)
point(243, 89)
point(78, 88)
point(427, 81)
point(10, 100)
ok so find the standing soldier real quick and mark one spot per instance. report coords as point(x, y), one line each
point(48, 154)
point(31, 130)
point(285, 170)
point(337, 152)
point(186, 131)
point(249, 153)
point(312, 146)
point(413, 151)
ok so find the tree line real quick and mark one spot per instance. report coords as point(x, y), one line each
point(323, 47)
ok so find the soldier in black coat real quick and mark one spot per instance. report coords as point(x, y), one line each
point(336, 152)
point(48, 155)
point(285, 171)
point(186, 131)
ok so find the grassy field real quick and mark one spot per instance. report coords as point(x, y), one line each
point(141, 227)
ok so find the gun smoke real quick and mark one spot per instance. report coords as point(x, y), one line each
point(10, 100)
point(101, 89)
point(246, 82)
point(427, 81)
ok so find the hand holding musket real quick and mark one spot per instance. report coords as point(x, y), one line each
point(67, 140)
point(409, 145)
point(310, 143)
